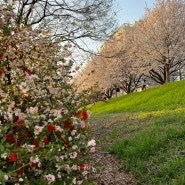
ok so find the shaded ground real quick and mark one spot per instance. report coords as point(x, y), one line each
point(109, 169)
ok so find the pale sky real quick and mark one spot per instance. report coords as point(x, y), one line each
point(128, 11)
point(132, 10)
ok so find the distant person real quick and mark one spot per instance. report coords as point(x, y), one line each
point(144, 85)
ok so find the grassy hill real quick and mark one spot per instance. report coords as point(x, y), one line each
point(149, 133)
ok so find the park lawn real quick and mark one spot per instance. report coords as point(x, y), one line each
point(150, 132)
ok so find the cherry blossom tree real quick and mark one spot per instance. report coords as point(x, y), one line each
point(127, 74)
point(162, 39)
point(119, 64)
point(150, 49)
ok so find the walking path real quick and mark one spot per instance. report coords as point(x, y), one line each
point(109, 169)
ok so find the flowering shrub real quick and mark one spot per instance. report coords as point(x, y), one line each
point(43, 135)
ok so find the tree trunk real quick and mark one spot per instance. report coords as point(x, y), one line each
point(167, 72)
point(180, 74)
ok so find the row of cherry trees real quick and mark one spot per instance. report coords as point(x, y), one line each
point(44, 131)
point(150, 49)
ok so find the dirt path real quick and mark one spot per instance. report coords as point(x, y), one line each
point(109, 169)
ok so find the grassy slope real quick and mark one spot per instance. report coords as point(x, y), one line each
point(166, 97)
point(150, 135)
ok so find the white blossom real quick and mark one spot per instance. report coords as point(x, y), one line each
point(4, 155)
point(91, 143)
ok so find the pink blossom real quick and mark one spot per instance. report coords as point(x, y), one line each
point(73, 155)
point(21, 115)
point(79, 182)
point(92, 150)
point(34, 159)
point(74, 167)
point(50, 178)
point(73, 132)
point(58, 128)
point(53, 90)
point(67, 168)
point(31, 76)
point(65, 111)
point(75, 123)
point(33, 110)
point(82, 124)
point(37, 130)
point(57, 112)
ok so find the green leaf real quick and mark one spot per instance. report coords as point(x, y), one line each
point(3, 140)
point(2, 148)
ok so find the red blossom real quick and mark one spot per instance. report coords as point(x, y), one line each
point(18, 127)
point(35, 143)
point(18, 143)
point(13, 157)
point(1, 72)
point(25, 135)
point(19, 172)
point(27, 71)
point(1, 55)
point(51, 128)
point(10, 138)
point(82, 166)
point(46, 141)
point(20, 120)
point(86, 126)
point(84, 115)
point(34, 165)
point(66, 143)
point(67, 124)
point(6, 46)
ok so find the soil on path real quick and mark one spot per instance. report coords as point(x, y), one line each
point(109, 170)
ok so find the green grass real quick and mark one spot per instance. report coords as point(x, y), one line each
point(166, 97)
point(150, 132)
